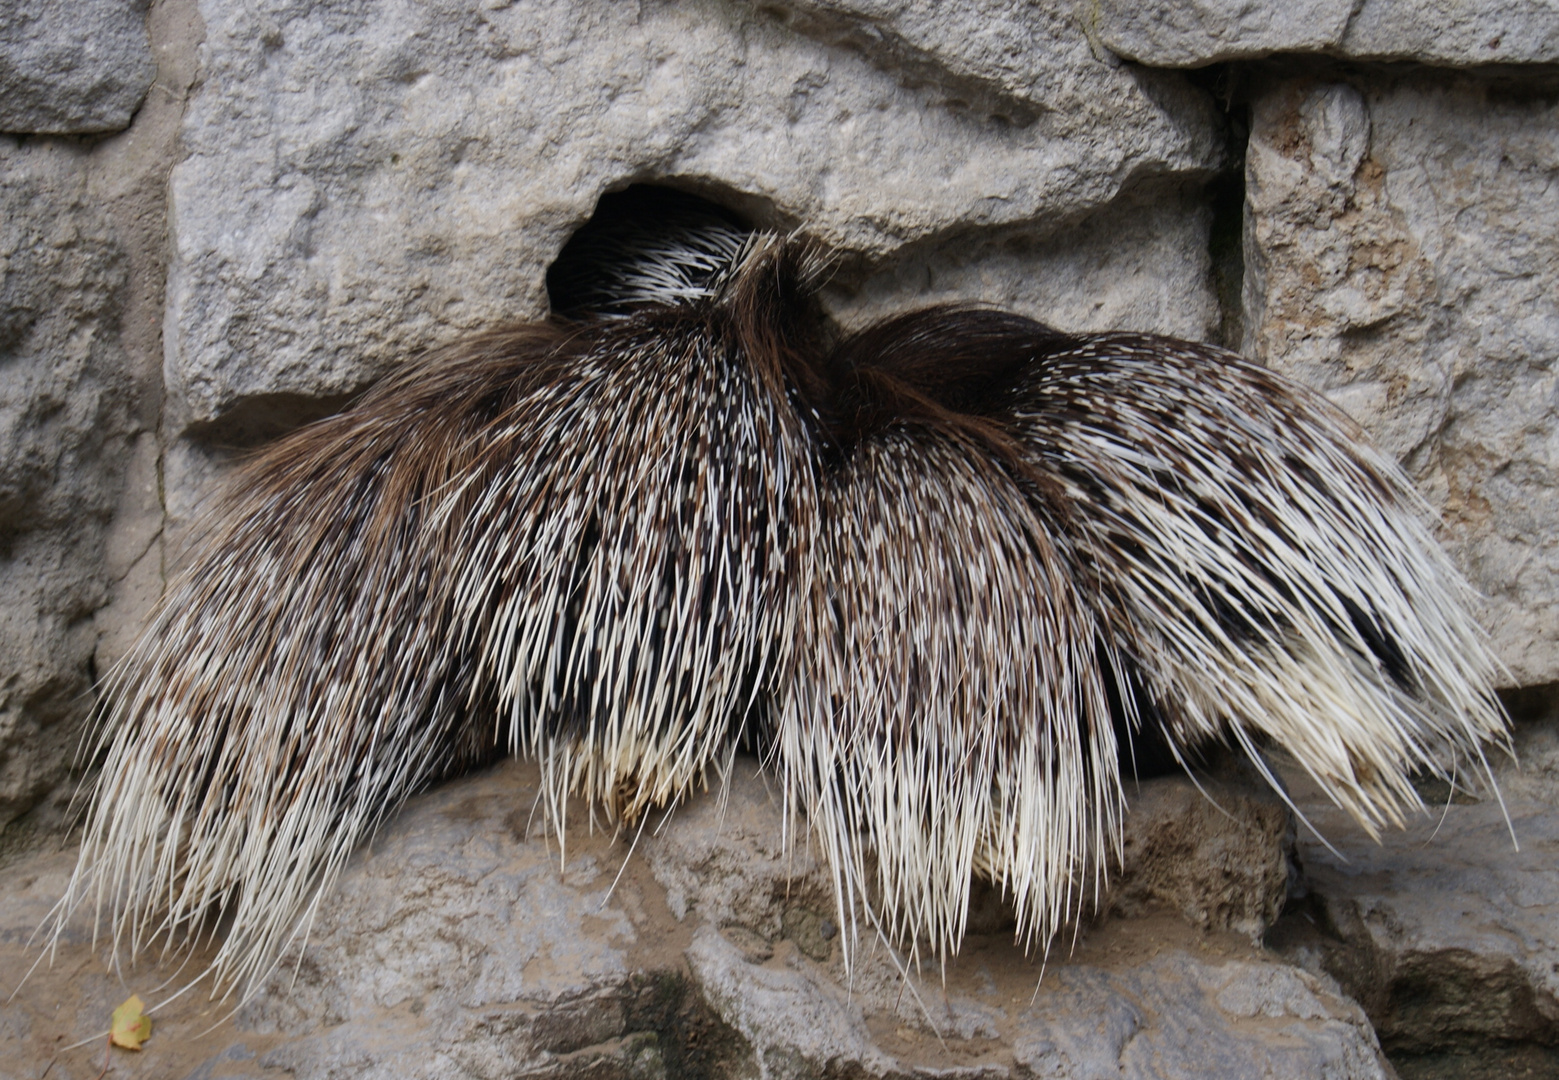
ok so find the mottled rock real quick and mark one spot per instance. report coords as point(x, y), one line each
point(727, 860)
point(1181, 1016)
point(366, 177)
point(65, 431)
point(502, 962)
point(1192, 33)
point(797, 1021)
point(1401, 257)
point(1217, 855)
point(72, 69)
point(1450, 32)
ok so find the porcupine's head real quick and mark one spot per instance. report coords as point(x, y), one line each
point(926, 564)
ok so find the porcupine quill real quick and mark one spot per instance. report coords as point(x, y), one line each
point(924, 564)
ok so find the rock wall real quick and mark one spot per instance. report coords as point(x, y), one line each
point(222, 218)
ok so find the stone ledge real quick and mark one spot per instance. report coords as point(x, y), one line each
point(1194, 33)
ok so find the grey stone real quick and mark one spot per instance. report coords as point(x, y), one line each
point(1193, 33)
point(1218, 854)
point(1448, 942)
point(1448, 32)
point(72, 68)
point(1140, 263)
point(364, 179)
point(463, 942)
point(1401, 258)
point(65, 430)
point(453, 915)
point(798, 1022)
point(1181, 1016)
point(727, 861)
point(83, 245)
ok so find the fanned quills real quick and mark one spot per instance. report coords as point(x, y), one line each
point(931, 567)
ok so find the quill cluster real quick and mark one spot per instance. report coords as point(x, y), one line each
point(931, 567)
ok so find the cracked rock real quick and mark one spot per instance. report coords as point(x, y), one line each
point(1193, 33)
point(1447, 934)
point(458, 944)
point(65, 432)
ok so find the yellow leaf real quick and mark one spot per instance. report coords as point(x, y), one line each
point(130, 1027)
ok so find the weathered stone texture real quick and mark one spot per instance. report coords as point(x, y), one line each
point(1217, 855)
point(1192, 33)
point(1140, 263)
point(455, 946)
point(366, 177)
point(1401, 257)
point(1448, 934)
point(80, 67)
point(1181, 1016)
point(64, 432)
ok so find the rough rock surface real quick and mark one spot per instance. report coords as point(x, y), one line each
point(1140, 263)
point(366, 177)
point(77, 68)
point(1218, 856)
point(1180, 1016)
point(1407, 268)
point(456, 947)
point(65, 432)
point(1448, 935)
point(1191, 33)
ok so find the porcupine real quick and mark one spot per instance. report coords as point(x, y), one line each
point(574, 540)
point(923, 563)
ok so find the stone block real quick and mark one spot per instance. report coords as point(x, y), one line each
point(76, 68)
point(65, 432)
point(1194, 33)
point(1401, 257)
point(368, 177)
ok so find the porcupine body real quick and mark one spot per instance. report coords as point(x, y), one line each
point(576, 542)
point(1233, 563)
point(927, 559)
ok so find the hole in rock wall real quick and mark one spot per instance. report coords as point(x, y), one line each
point(618, 258)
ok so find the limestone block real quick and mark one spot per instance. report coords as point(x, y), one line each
point(1447, 933)
point(1218, 856)
point(1454, 33)
point(1401, 258)
point(1193, 33)
point(64, 435)
point(1182, 1016)
point(368, 177)
point(72, 68)
point(1137, 264)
